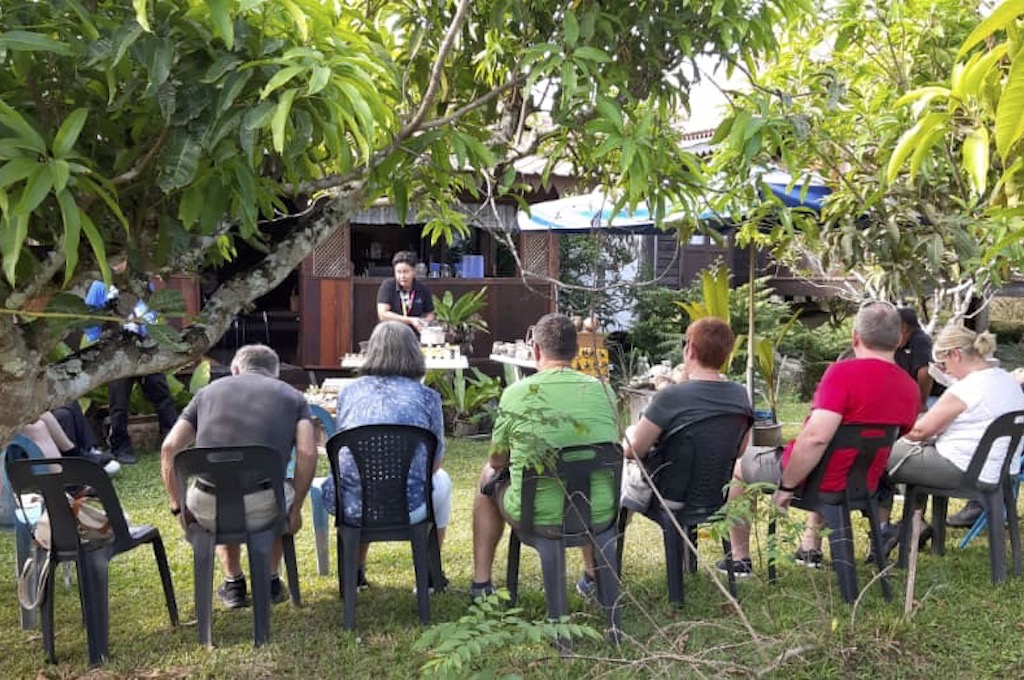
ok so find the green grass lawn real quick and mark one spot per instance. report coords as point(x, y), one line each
point(962, 626)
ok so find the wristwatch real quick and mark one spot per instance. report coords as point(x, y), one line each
point(787, 489)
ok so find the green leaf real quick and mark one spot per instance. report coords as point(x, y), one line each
point(1003, 15)
point(223, 27)
point(167, 302)
point(92, 234)
point(975, 158)
point(69, 213)
point(13, 230)
point(910, 140)
point(200, 377)
point(18, 125)
point(141, 13)
point(318, 80)
point(16, 170)
point(279, 79)
point(588, 53)
point(167, 336)
point(1010, 114)
point(280, 119)
point(60, 172)
point(299, 17)
point(178, 162)
point(979, 66)
point(67, 134)
point(36, 189)
point(27, 41)
point(571, 27)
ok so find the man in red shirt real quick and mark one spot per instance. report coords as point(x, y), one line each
point(870, 388)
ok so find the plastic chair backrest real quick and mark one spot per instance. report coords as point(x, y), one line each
point(1009, 425)
point(868, 439)
point(234, 471)
point(19, 447)
point(575, 468)
point(52, 478)
point(384, 456)
point(322, 415)
point(694, 463)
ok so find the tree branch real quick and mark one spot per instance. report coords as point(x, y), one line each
point(137, 169)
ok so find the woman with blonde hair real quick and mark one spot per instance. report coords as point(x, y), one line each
point(939, 448)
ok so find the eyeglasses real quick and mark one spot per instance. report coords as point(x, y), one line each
point(939, 357)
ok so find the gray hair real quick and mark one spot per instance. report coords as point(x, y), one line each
point(256, 359)
point(878, 326)
point(556, 337)
point(394, 350)
point(967, 341)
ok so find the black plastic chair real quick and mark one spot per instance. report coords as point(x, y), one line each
point(576, 469)
point(236, 471)
point(694, 465)
point(836, 506)
point(995, 498)
point(52, 478)
point(384, 456)
point(23, 519)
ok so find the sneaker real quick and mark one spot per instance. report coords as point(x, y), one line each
point(740, 568)
point(101, 457)
point(278, 590)
point(587, 585)
point(126, 456)
point(890, 535)
point(112, 467)
point(361, 582)
point(233, 593)
point(812, 558)
point(478, 590)
point(966, 517)
point(431, 589)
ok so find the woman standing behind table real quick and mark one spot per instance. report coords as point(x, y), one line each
point(390, 393)
point(405, 299)
point(939, 448)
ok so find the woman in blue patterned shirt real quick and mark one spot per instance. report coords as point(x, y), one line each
point(390, 393)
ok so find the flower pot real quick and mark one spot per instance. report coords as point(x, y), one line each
point(767, 434)
point(465, 428)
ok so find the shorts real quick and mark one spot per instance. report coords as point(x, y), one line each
point(636, 491)
point(497, 494)
point(260, 506)
point(920, 463)
point(761, 464)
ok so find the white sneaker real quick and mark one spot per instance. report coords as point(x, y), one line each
point(112, 468)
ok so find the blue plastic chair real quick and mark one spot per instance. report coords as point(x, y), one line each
point(22, 520)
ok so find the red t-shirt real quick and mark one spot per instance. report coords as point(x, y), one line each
point(864, 391)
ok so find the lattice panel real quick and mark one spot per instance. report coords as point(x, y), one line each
point(534, 253)
point(331, 259)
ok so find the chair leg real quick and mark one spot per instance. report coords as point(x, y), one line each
point(23, 549)
point(882, 561)
point(674, 556)
point(1013, 527)
point(620, 531)
point(291, 566)
point(840, 542)
point(940, 505)
point(349, 548)
point(94, 575)
point(436, 567)
point(552, 565)
point(202, 575)
point(420, 544)
point(607, 574)
point(260, 546)
point(727, 551)
point(690, 556)
point(321, 529)
point(46, 616)
point(996, 536)
point(339, 548)
point(773, 551)
point(160, 555)
point(512, 569)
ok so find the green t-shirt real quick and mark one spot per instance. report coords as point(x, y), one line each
point(546, 411)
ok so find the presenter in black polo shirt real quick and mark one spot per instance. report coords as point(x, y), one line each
point(405, 299)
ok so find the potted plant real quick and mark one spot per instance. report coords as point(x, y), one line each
point(768, 432)
point(461, 318)
point(467, 402)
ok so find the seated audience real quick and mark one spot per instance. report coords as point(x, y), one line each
point(63, 433)
point(939, 448)
point(703, 394)
point(390, 393)
point(251, 407)
point(554, 408)
point(870, 388)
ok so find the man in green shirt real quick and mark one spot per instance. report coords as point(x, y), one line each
point(554, 408)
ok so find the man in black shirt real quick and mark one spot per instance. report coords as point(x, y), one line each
point(404, 298)
point(915, 352)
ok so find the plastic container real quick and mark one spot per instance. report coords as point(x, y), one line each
point(472, 267)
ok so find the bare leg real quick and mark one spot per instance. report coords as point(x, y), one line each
point(488, 526)
point(230, 560)
point(588, 559)
point(811, 539)
point(739, 534)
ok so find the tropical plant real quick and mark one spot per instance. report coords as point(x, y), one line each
point(461, 317)
point(466, 399)
point(766, 354)
point(168, 132)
